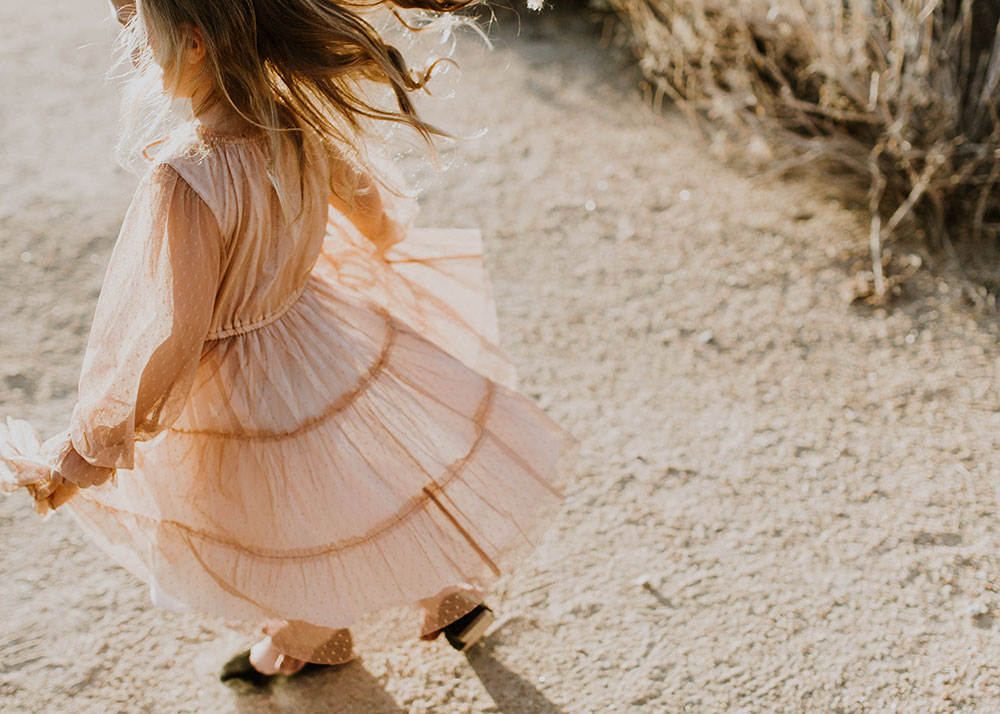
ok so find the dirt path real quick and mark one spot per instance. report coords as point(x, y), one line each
point(809, 489)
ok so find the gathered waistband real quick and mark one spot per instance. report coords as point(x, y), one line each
point(243, 328)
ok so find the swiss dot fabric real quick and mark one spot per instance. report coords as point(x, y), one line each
point(152, 318)
point(313, 426)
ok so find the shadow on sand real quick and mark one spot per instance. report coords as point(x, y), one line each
point(351, 689)
point(347, 689)
point(512, 693)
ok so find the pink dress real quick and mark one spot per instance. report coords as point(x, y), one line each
point(312, 427)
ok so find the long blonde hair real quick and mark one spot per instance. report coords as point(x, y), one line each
point(284, 65)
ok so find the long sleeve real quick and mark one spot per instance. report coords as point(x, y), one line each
point(152, 318)
point(381, 215)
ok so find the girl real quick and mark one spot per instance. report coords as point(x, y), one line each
point(293, 408)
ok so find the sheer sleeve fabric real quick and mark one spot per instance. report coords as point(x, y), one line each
point(381, 214)
point(152, 318)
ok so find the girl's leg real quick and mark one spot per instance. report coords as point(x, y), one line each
point(460, 615)
point(446, 607)
point(288, 648)
point(267, 659)
point(303, 642)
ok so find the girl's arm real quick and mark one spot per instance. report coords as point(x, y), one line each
point(380, 215)
point(149, 329)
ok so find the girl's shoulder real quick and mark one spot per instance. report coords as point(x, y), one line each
point(211, 164)
point(196, 145)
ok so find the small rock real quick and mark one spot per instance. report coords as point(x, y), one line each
point(669, 335)
point(977, 608)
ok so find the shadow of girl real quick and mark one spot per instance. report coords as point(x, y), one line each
point(511, 692)
point(345, 689)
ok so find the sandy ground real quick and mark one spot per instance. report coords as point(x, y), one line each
point(809, 488)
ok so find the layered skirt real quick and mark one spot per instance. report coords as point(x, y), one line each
point(360, 460)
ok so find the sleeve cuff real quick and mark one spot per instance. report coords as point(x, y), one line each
point(97, 454)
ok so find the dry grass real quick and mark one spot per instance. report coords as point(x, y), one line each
point(901, 92)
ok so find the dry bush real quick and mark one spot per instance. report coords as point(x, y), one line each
point(901, 92)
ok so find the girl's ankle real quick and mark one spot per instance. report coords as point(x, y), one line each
point(266, 659)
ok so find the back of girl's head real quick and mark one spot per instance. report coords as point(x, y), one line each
point(288, 65)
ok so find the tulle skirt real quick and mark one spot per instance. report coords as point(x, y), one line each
point(362, 461)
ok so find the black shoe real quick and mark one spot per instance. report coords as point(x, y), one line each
point(468, 629)
point(239, 668)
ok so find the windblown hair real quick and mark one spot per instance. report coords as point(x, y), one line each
point(289, 65)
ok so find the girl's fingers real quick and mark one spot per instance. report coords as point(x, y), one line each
point(41, 490)
point(62, 494)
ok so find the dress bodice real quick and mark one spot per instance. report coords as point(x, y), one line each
point(271, 225)
point(217, 243)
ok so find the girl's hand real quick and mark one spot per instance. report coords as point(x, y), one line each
point(62, 493)
point(51, 494)
point(69, 466)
